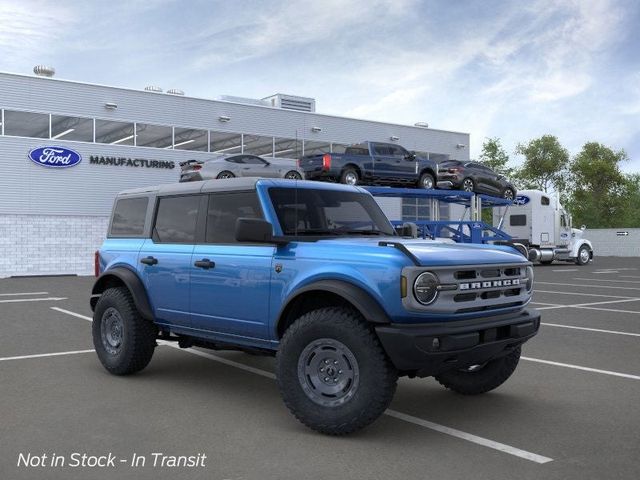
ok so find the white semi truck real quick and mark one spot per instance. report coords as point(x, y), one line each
point(540, 223)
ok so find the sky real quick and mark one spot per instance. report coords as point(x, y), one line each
point(508, 69)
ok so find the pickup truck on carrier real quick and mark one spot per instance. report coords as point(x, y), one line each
point(372, 163)
point(314, 274)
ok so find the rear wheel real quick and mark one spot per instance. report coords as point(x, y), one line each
point(468, 185)
point(426, 181)
point(349, 177)
point(124, 341)
point(293, 175)
point(225, 174)
point(333, 373)
point(508, 194)
point(481, 378)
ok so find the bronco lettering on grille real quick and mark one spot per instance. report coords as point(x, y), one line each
point(489, 284)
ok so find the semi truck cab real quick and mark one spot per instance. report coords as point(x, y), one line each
point(538, 221)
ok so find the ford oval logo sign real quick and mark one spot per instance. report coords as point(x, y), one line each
point(521, 200)
point(55, 157)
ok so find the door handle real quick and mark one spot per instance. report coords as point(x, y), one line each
point(205, 263)
point(149, 260)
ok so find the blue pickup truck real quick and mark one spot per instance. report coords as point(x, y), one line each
point(372, 163)
point(314, 274)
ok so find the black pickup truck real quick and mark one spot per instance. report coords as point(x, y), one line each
point(372, 163)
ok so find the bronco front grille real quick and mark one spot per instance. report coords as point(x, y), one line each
point(466, 289)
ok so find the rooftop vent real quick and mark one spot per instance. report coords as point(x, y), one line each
point(153, 88)
point(291, 102)
point(44, 71)
point(175, 91)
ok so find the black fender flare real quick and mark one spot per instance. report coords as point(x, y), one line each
point(132, 282)
point(368, 307)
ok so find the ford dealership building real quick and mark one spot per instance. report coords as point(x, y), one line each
point(66, 149)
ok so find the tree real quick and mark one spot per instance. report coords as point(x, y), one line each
point(600, 192)
point(546, 164)
point(495, 157)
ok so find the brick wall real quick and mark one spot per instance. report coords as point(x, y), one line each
point(43, 244)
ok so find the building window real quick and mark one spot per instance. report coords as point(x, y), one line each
point(316, 148)
point(71, 128)
point(287, 148)
point(257, 145)
point(190, 139)
point(26, 124)
point(115, 133)
point(156, 136)
point(225, 143)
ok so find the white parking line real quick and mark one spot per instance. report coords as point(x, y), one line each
point(566, 270)
point(606, 280)
point(47, 299)
point(41, 355)
point(583, 294)
point(73, 314)
point(610, 310)
point(578, 367)
point(392, 413)
point(587, 286)
point(25, 293)
point(615, 332)
point(589, 305)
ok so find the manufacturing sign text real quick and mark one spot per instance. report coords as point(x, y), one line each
point(130, 162)
point(55, 157)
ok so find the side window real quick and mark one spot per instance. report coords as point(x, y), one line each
point(250, 159)
point(128, 217)
point(381, 149)
point(518, 220)
point(176, 219)
point(544, 201)
point(397, 151)
point(223, 211)
point(238, 159)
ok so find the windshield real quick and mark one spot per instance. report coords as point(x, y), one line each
point(328, 212)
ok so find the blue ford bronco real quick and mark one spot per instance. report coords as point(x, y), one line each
point(314, 274)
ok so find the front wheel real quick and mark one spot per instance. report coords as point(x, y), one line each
point(584, 255)
point(332, 372)
point(478, 379)
point(426, 181)
point(124, 341)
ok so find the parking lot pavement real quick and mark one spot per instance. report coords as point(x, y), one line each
point(570, 410)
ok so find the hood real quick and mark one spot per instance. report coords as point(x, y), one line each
point(438, 253)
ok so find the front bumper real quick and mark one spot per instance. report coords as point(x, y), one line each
point(430, 349)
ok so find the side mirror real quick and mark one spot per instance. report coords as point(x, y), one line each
point(410, 156)
point(583, 227)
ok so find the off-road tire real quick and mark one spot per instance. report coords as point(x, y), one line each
point(348, 173)
point(138, 335)
point(377, 378)
point(491, 375)
point(225, 174)
point(424, 179)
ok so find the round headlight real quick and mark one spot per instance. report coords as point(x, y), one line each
point(529, 279)
point(425, 288)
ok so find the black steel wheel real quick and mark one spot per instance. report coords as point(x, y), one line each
point(123, 340)
point(332, 372)
point(481, 378)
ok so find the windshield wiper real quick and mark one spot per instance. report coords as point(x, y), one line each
point(363, 232)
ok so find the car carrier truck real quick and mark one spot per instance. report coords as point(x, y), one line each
point(538, 221)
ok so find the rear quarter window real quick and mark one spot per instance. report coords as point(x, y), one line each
point(128, 217)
